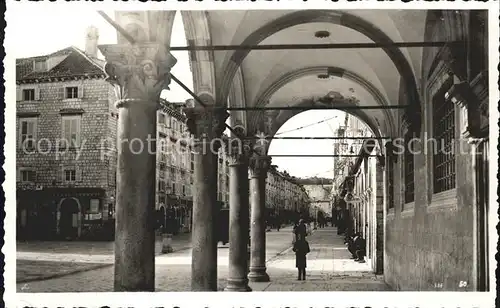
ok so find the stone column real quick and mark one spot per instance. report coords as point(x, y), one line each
point(259, 166)
point(139, 73)
point(207, 126)
point(238, 219)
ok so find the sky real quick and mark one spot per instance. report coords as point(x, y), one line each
point(68, 29)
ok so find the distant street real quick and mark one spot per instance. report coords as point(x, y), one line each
point(329, 268)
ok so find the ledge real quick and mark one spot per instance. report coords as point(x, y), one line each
point(72, 100)
point(446, 200)
point(408, 210)
point(28, 114)
point(68, 111)
point(390, 213)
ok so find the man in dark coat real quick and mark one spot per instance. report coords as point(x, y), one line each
point(301, 249)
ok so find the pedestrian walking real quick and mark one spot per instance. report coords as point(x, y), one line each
point(301, 249)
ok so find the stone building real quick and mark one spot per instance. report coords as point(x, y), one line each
point(63, 99)
point(285, 198)
point(435, 204)
point(320, 196)
point(174, 172)
point(66, 135)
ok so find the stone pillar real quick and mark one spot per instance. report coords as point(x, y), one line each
point(139, 73)
point(379, 226)
point(238, 220)
point(207, 126)
point(259, 166)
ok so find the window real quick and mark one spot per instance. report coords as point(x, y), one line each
point(94, 206)
point(409, 171)
point(161, 185)
point(28, 94)
point(27, 132)
point(173, 188)
point(443, 131)
point(183, 189)
point(71, 92)
point(40, 66)
point(70, 175)
point(71, 130)
point(390, 183)
point(28, 176)
point(161, 119)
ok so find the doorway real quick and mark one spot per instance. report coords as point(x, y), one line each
point(69, 222)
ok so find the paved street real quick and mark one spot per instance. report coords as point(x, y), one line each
point(329, 269)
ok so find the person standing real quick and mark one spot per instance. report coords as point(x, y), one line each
point(301, 249)
point(300, 230)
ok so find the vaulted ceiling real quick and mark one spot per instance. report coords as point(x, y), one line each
point(287, 77)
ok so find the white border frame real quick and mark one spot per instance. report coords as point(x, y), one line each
point(373, 299)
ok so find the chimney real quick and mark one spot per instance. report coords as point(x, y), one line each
point(91, 39)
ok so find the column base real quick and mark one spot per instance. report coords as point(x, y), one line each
point(237, 285)
point(258, 275)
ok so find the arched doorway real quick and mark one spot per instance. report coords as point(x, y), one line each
point(69, 218)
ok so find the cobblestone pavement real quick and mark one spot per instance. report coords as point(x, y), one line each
point(329, 269)
point(172, 270)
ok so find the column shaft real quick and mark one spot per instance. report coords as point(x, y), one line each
point(206, 126)
point(238, 225)
point(205, 211)
point(135, 198)
point(258, 226)
point(138, 73)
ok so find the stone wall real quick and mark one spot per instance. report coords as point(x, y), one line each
point(97, 125)
point(429, 244)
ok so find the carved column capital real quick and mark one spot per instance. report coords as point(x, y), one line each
point(138, 72)
point(259, 165)
point(206, 124)
point(239, 151)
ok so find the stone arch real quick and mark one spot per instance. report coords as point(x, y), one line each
point(237, 98)
point(453, 28)
point(79, 217)
point(197, 29)
point(330, 16)
point(265, 95)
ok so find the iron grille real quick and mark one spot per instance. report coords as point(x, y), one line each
point(409, 171)
point(444, 134)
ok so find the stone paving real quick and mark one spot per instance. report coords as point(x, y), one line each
point(329, 269)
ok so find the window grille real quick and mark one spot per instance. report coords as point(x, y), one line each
point(390, 182)
point(444, 133)
point(409, 170)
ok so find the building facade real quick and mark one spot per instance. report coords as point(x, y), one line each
point(286, 199)
point(434, 210)
point(66, 143)
point(174, 171)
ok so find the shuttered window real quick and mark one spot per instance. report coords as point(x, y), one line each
point(27, 132)
point(71, 130)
